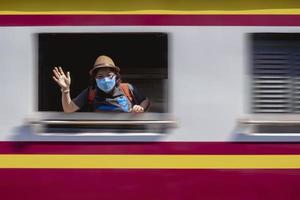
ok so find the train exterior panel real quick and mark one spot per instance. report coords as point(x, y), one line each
point(209, 155)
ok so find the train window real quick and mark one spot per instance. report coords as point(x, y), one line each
point(141, 57)
point(275, 72)
point(275, 88)
point(141, 60)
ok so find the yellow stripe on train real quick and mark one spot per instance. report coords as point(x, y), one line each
point(150, 7)
point(160, 12)
point(151, 161)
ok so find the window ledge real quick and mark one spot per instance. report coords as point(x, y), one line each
point(100, 124)
point(275, 125)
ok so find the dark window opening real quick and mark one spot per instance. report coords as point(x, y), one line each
point(142, 58)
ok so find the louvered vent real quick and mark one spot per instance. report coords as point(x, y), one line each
point(276, 73)
point(296, 82)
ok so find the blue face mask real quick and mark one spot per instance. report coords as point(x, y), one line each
point(106, 84)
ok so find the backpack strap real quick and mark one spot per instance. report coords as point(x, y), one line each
point(91, 96)
point(128, 93)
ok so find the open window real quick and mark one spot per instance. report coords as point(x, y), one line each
point(142, 58)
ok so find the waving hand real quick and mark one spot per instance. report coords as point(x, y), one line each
point(64, 81)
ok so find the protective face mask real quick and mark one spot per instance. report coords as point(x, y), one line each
point(106, 84)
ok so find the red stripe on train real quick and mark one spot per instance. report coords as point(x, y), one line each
point(85, 184)
point(147, 148)
point(150, 20)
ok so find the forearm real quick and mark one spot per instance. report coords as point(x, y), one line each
point(67, 103)
point(145, 104)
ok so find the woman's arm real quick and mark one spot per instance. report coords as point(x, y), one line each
point(67, 104)
point(64, 81)
point(145, 104)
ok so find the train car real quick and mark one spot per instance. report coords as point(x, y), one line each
point(222, 78)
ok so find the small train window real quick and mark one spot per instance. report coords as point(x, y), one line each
point(275, 89)
point(275, 72)
point(142, 59)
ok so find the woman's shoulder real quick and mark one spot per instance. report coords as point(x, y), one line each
point(130, 86)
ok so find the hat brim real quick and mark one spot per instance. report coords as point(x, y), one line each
point(104, 66)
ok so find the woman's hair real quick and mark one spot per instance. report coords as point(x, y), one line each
point(92, 81)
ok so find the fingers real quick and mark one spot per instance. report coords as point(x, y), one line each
point(68, 75)
point(61, 71)
point(55, 79)
point(140, 109)
point(56, 73)
point(137, 108)
point(60, 78)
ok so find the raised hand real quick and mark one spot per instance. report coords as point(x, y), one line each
point(64, 81)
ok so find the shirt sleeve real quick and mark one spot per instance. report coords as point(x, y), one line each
point(81, 99)
point(139, 96)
